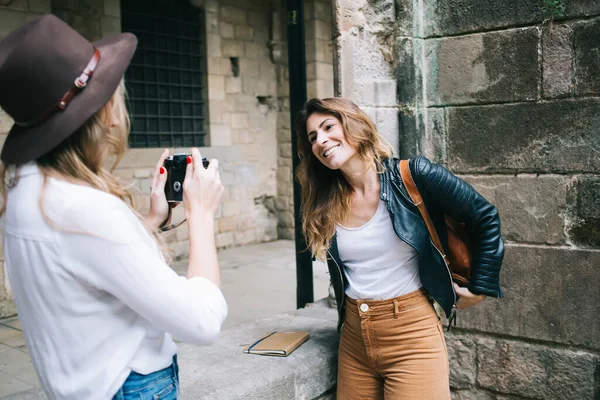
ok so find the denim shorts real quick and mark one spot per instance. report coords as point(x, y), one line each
point(159, 385)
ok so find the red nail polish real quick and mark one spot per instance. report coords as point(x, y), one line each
point(162, 170)
point(189, 159)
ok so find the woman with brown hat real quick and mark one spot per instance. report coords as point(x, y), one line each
point(97, 302)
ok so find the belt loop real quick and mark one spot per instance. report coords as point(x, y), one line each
point(396, 312)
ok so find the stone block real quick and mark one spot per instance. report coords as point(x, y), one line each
point(486, 67)
point(18, 5)
point(536, 371)
point(223, 240)
point(233, 85)
point(226, 30)
point(249, 68)
point(10, 20)
point(584, 218)
point(436, 138)
point(563, 137)
point(257, 19)
point(220, 135)
point(232, 48)
point(462, 355)
point(448, 17)
point(411, 131)
point(233, 14)
point(110, 25)
point(227, 224)
point(244, 237)
point(387, 126)
point(253, 50)
point(557, 53)
point(44, 6)
point(239, 120)
point(587, 62)
point(244, 32)
point(404, 18)
point(323, 11)
point(408, 77)
point(531, 207)
point(581, 8)
point(547, 296)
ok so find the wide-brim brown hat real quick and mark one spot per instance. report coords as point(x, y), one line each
point(52, 80)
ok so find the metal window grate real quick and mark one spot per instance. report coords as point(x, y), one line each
point(165, 81)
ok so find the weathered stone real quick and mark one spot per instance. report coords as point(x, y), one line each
point(548, 296)
point(244, 32)
point(557, 56)
point(234, 15)
point(44, 6)
point(226, 30)
point(587, 62)
point(10, 20)
point(411, 128)
point(536, 371)
point(387, 126)
point(232, 48)
point(446, 17)
point(584, 227)
point(462, 357)
point(110, 25)
point(408, 76)
point(531, 207)
point(436, 138)
point(581, 8)
point(559, 135)
point(494, 66)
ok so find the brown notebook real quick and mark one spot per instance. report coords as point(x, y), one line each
point(279, 344)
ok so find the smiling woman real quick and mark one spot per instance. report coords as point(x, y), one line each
point(385, 272)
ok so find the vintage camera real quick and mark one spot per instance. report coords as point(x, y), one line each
point(176, 166)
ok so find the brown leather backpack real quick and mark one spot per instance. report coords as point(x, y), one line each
point(458, 259)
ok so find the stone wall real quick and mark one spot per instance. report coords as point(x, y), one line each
point(244, 118)
point(511, 105)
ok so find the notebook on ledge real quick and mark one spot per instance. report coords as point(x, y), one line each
point(279, 344)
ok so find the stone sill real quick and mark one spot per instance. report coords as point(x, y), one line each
point(223, 371)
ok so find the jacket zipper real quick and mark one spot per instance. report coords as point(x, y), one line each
point(453, 312)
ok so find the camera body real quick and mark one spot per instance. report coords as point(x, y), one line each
point(176, 166)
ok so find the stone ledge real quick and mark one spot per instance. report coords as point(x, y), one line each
point(223, 371)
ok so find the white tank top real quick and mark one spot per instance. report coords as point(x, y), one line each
point(379, 265)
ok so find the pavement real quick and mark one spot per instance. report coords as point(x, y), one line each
point(258, 281)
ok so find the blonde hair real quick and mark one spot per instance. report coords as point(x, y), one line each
point(326, 195)
point(83, 157)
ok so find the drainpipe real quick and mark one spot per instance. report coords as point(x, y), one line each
point(297, 71)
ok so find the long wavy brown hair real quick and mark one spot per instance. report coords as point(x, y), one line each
point(89, 157)
point(326, 194)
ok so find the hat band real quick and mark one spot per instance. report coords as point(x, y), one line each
point(78, 85)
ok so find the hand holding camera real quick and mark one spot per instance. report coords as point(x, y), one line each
point(169, 182)
point(202, 188)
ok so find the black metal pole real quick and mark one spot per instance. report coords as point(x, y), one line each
point(297, 70)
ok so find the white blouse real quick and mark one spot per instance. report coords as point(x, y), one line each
point(93, 292)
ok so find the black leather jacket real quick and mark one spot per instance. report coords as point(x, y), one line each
point(443, 193)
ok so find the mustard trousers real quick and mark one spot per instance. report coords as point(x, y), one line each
point(392, 349)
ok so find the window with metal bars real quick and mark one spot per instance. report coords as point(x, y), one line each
point(166, 78)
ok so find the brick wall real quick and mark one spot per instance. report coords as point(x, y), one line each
point(488, 90)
